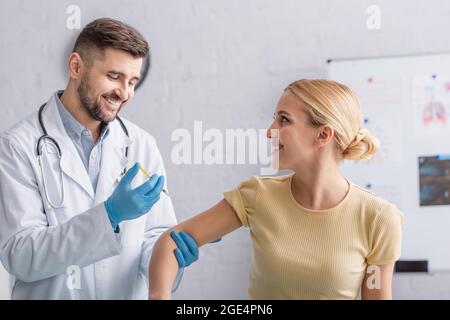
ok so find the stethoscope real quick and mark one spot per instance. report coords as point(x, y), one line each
point(48, 138)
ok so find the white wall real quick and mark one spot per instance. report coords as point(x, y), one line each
point(222, 61)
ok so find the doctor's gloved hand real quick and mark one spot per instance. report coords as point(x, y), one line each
point(126, 203)
point(187, 248)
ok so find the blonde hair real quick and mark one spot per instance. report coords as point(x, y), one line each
point(330, 102)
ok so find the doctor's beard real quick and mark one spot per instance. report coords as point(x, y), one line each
point(92, 104)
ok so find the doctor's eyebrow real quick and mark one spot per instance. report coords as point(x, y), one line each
point(122, 74)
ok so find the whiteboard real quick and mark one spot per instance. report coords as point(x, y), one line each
point(405, 101)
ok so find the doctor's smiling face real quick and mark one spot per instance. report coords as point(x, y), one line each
point(107, 83)
point(104, 69)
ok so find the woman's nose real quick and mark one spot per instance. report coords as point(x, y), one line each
point(269, 131)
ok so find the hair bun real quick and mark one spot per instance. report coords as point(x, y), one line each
point(364, 146)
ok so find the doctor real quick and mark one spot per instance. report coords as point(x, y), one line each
point(77, 218)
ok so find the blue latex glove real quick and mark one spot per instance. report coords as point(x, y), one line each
point(187, 248)
point(126, 203)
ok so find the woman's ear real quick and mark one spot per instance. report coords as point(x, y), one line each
point(325, 135)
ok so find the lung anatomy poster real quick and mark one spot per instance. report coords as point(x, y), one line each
point(431, 104)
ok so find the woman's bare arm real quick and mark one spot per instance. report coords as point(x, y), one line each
point(377, 284)
point(205, 227)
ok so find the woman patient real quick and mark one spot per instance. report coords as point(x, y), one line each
point(315, 234)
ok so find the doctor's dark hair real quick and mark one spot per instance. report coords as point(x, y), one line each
point(105, 33)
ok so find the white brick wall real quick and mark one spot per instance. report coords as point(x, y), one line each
point(222, 61)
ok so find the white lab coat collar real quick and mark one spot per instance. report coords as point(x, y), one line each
point(113, 152)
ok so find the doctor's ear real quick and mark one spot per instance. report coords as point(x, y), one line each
point(75, 65)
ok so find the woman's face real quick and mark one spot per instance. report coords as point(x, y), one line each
point(297, 138)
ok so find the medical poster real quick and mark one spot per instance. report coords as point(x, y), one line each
point(431, 104)
point(434, 172)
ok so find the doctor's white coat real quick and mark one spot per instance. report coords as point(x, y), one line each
point(72, 252)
